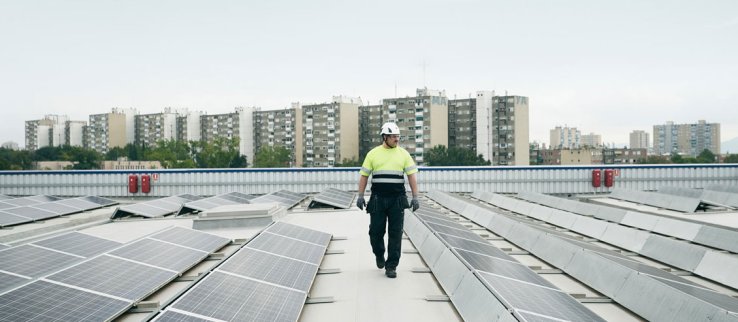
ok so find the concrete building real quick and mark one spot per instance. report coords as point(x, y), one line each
point(371, 118)
point(10, 145)
point(510, 130)
point(591, 140)
point(124, 164)
point(106, 131)
point(484, 123)
point(582, 156)
point(283, 128)
point(237, 125)
point(331, 134)
point(188, 125)
point(686, 139)
point(152, 128)
point(49, 131)
point(640, 139)
point(74, 133)
point(462, 123)
point(415, 116)
point(565, 137)
point(624, 156)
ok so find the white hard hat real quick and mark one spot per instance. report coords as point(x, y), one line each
point(390, 128)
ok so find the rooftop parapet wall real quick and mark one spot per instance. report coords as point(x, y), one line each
point(205, 182)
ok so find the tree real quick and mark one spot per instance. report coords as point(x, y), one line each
point(349, 163)
point(172, 154)
point(731, 158)
point(706, 156)
point(455, 156)
point(222, 153)
point(272, 157)
point(655, 159)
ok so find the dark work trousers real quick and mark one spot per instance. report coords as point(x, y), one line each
point(384, 210)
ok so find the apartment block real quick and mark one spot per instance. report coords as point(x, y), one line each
point(331, 134)
point(238, 124)
point(188, 125)
point(280, 128)
point(49, 131)
point(565, 138)
point(152, 128)
point(624, 156)
point(509, 125)
point(462, 123)
point(106, 131)
point(686, 139)
point(591, 140)
point(74, 133)
point(371, 118)
point(415, 116)
point(640, 140)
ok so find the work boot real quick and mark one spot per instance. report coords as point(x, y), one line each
point(390, 272)
point(380, 261)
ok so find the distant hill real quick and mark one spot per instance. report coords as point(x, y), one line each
point(729, 146)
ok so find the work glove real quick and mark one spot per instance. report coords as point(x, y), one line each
point(360, 202)
point(414, 203)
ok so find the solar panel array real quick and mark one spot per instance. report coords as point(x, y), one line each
point(285, 198)
point(231, 198)
point(28, 209)
point(648, 291)
point(155, 208)
point(332, 198)
point(678, 203)
point(105, 286)
point(516, 286)
point(267, 280)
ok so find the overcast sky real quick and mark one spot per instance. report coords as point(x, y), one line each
point(607, 67)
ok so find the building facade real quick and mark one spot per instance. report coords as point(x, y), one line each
point(330, 132)
point(188, 125)
point(510, 130)
point(283, 128)
point(640, 139)
point(152, 128)
point(686, 139)
point(591, 140)
point(371, 118)
point(237, 125)
point(74, 133)
point(49, 131)
point(106, 131)
point(462, 123)
point(565, 138)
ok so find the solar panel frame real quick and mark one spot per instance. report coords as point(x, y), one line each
point(20, 202)
point(58, 303)
point(474, 246)
point(32, 261)
point(55, 208)
point(31, 212)
point(466, 234)
point(505, 268)
point(231, 298)
point(8, 219)
point(288, 247)
point(79, 244)
point(79, 203)
point(5, 205)
point(301, 233)
point(272, 268)
point(173, 316)
point(161, 254)
point(332, 197)
point(192, 239)
point(116, 277)
point(8, 281)
point(103, 202)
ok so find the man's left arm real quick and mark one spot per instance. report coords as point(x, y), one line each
point(415, 204)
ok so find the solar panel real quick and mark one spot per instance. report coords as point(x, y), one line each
point(3, 197)
point(192, 238)
point(231, 198)
point(161, 254)
point(79, 203)
point(7, 219)
point(288, 247)
point(443, 222)
point(474, 246)
point(8, 281)
point(114, 276)
point(272, 268)
point(3, 246)
point(79, 244)
point(332, 197)
point(34, 261)
point(103, 202)
point(301, 233)
point(720, 300)
point(155, 208)
point(539, 300)
point(5, 205)
point(466, 234)
point(31, 212)
point(57, 209)
point(231, 298)
point(285, 198)
point(25, 201)
point(172, 316)
point(44, 301)
point(504, 268)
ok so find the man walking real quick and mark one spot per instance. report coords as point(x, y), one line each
point(387, 164)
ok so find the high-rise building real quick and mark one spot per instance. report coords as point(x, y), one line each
point(188, 125)
point(686, 139)
point(591, 140)
point(49, 131)
point(415, 116)
point(462, 123)
point(74, 133)
point(484, 123)
point(152, 128)
point(639, 139)
point(510, 130)
point(331, 134)
point(371, 118)
point(237, 125)
point(565, 138)
point(106, 131)
point(283, 128)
